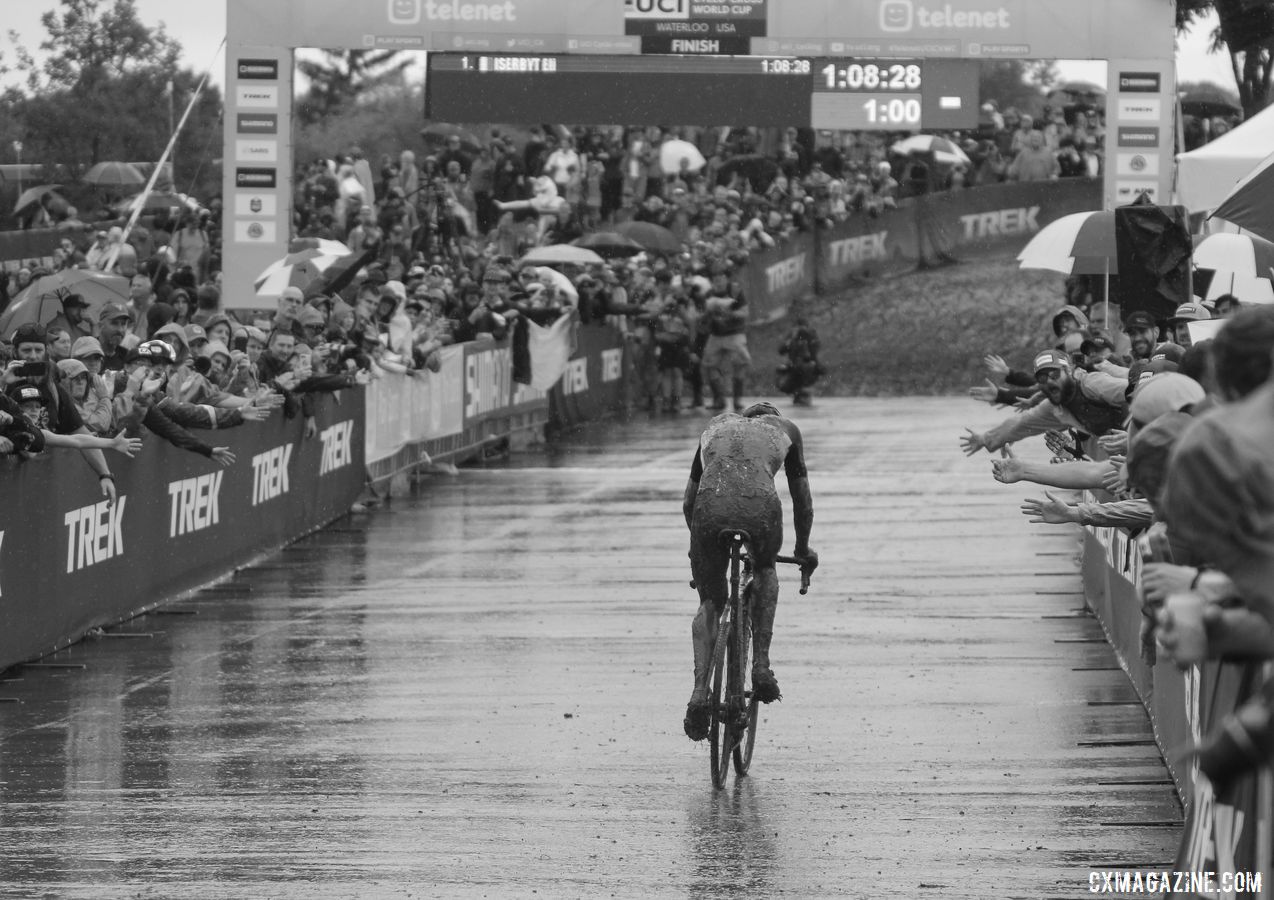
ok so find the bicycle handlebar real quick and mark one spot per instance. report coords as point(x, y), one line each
point(805, 573)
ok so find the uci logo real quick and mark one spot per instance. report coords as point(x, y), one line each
point(896, 15)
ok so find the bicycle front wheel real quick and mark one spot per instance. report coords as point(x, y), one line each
point(720, 737)
point(746, 739)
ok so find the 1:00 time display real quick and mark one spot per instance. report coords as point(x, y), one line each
point(872, 77)
point(895, 111)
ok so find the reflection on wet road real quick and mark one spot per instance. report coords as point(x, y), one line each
point(477, 691)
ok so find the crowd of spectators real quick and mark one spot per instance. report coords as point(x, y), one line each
point(1166, 438)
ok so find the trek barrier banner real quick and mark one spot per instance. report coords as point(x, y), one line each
point(1184, 708)
point(775, 278)
point(592, 386)
point(70, 562)
point(989, 219)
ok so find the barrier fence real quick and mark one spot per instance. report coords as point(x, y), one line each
point(70, 562)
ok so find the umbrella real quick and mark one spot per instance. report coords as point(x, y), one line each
point(33, 195)
point(114, 174)
point(299, 268)
point(1208, 100)
point(652, 237)
point(1078, 93)
point(759, 171)
point(154, 202)
point(672, 152)
point(943, 150)
point(609, 245)
point(324, 246)
point(41, 300)
point(1239, 264)
point(1250, 204)
point(561, 254)
point(438, 132)
point(1078, 244)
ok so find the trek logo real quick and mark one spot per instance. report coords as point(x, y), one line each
point(905, 15)
point(194, 504)
point(270, 474)
point(94, 534)
point(336, 447)
point(612, 365)
point(858, 250)
point(788, 273)
point(1001, 223)
point(575, 378)
point(409, 12)
point(1217, 835)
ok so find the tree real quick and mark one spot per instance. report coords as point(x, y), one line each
point(1246, 31)
point(340, 78)
point(102, 93)
point(1018, 83)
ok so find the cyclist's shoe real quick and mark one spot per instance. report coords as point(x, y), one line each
point(765, 687)
point(698, 719)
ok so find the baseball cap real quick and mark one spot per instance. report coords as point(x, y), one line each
point(195, 333)
point(25, 393)
point(1163, 393)
point(292, 292)
point(1189, 312)
point(416, 272)
point(86, 346)
point(29, 333)
point(114, 311)
point(1051, 359)
point(71, 367)
point(74, 300)
point(1151, 450)
point(215, 347)
point(1139, 320)
point(255, 334)
point(1166, 357)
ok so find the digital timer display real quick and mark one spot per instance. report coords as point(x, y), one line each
point(851, 93)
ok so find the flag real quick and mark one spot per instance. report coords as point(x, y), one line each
point(550, 349)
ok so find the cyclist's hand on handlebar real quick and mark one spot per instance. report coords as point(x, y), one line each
point(809, 560)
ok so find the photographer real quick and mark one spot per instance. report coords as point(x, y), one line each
point(57, 410)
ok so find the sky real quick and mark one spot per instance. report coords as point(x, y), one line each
point(200, 25)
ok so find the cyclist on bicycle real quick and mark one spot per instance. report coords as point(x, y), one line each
point(731, 487)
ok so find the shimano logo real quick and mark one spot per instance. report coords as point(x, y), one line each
point(906, 15)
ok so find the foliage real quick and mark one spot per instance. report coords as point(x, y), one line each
point(1246, 30)
point(104, 92)
point(340, 78)
point(386, 124)
point(1017, 83)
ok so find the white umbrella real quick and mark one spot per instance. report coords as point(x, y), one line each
point(1078, 244)
point(561, 254)
point(1241, 264)
point(944, 151)
point(300, 267)
point(672, 152)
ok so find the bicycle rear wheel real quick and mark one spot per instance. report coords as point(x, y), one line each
point(719, 732)
point(746, 740)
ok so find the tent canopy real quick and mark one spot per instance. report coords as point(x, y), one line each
point(1206, 175)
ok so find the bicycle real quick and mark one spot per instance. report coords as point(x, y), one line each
point(732, 733)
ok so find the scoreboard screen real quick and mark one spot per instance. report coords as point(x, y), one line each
point(875, 94)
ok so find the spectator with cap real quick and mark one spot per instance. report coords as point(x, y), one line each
point(1092, 402)
point(57, 410)
point(94, 407)
point(113, 324)
point(21, 414)
point(1181, 319)
point(72, 319)
point(141, 402)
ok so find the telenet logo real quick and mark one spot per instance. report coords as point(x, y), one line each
point(409, 12)
point(905, 15)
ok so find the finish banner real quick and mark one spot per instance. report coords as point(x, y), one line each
point(592, 387)
point(69, 561)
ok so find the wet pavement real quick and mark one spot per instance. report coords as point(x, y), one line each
point(477, 691)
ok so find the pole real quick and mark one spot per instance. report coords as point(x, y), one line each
point(1106, 305)
point(171, 91)
point(140, 203)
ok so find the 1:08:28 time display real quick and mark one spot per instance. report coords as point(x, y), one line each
point(865, 76)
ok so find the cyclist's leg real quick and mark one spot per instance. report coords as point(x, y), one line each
point(767, 541)
point(709, 558)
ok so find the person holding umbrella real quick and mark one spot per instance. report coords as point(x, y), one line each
point(72, 319)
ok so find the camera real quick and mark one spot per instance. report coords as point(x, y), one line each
point(32, 370)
